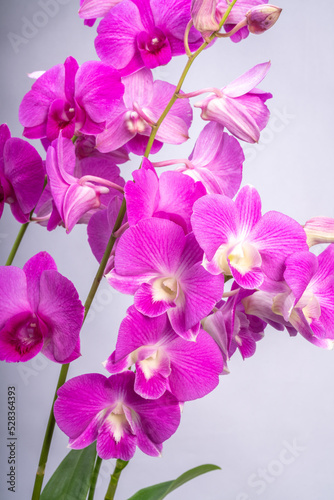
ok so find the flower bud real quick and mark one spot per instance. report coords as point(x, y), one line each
point(262, 17)
point(203, 13)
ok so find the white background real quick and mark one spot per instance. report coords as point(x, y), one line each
point(284, 394)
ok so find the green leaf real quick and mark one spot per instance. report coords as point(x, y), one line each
point(160, 491)
point(71, 480)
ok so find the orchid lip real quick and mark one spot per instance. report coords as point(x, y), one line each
point(165, 289)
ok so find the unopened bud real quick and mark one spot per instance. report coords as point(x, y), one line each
point(262, 17)
point(203, 13)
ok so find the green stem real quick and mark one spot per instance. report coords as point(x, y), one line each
point(94, 477)
point(64, 369)
point(17, 242)
point(174, 97)
point(120, 465)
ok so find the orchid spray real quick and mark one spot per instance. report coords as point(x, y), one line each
point(207, 269)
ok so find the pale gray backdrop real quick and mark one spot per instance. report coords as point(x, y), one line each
point(269, 424)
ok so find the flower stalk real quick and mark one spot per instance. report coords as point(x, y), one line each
point(120, 465)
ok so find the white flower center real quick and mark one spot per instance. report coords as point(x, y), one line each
point(134, 122)
point(165, 289)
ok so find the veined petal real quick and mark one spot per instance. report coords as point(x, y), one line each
point(13, 293)
point(214, 221)
point(276, 236)
point(97, 87)
point(33, 270)
point(147, 302)
point(195, 367)
point(23, 168)
point(90, 9)
point(319, 230)
point(248, 203)
point(62, 311)
point(153, 245)
point(80, 400)
point(138, 88)
point(248, 81)
point(300, 268)
point(35, 104)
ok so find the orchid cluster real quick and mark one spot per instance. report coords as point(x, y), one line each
point(208, 271)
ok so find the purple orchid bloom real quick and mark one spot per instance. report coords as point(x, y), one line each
point(216, 161)
point(70, 99)
point(237, 240)
point(163, 360)
point(240, 105)
point(75, 191)
point(308, 303)
point(162, 267)
point(40, 312)
point(237, 15)
point(93, 407)
point(143, 103)
point(171, 196)
point(144, 33)
point(21, 175)
point(232, 328)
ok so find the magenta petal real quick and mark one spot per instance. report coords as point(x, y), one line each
point(35, 104)
point(234, 116)
point(138, 88)
point(4, 136)
point(300, 268)
point(61, 309)
point(145, 303)
point(79, 400)
point(214, 220)
point(114, 136)
point(137, 330)
point(248, 203)
point(248, 81)
point(325, 269)
point(254, 104)
point(250, 280)
point(141, 195)
point(95, 8)
point(159, 419)
point(276, 236)
point(23, 168)
point(108, 447)
point(150, 246)
point(97, 86)
point(195, 367)
point(155, 385)
point(71, 68)
point(201, 291)
point(217, 159)
point(13, 293)
point(90, 434)
point(33, 270)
